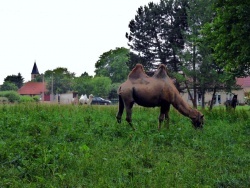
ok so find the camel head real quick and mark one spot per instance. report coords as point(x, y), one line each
point(90, 99)
point(198, 121)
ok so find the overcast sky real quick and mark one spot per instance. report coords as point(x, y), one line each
point(61, 33)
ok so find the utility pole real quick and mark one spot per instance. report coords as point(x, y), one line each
point(52, 85)
point(52, 88)
point(43, 89)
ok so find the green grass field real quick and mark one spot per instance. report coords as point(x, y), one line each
point(83, 146)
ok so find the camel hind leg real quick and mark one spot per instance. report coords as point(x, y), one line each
point(129, 106)
point(120, 110)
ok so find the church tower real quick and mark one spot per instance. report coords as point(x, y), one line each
point(34, 72)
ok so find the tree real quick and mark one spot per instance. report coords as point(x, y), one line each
point(113, 91)
point(86, 75)
point(101, 86)
point(210, 75)
point(83, 85)
point(156, 33)
point(112, 64)
point(215, 79)
point(229, 35)
point(98, 86)
point(134, 59)
point(8, 86)
point(59, 80)
point(195, 53)
point(16, 79)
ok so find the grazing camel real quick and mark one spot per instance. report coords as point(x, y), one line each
point(85, 100)
point(157, 90)
point(232, 103)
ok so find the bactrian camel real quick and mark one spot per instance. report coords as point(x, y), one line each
point(231, 103)
point(158, 90)
point(85, 100)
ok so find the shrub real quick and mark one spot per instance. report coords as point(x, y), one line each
point(3, 100)
point(36, 98)
point(12, 96)
point(9, 86)
point(24, 99)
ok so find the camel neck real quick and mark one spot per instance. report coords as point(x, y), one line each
point(183, 107)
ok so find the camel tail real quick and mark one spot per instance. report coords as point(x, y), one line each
point(121, 104)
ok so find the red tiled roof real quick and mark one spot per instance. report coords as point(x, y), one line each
point(243, 82)
point(32, 88)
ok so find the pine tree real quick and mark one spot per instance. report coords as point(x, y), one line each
point(156, 33)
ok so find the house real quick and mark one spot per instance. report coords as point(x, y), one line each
point(244, 83)
point(35, 88)
point(222, 96)
point(32, 88)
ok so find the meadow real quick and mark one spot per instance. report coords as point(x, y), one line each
point(83, 146)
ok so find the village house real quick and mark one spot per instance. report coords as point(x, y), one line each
point(221, 96)
point(32, 88)
point(39, 89)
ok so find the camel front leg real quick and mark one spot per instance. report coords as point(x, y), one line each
point(164, 112)
point(129, 114)
point(161, 118)
point(167, 116)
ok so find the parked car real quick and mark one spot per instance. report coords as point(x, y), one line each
point(101, 101)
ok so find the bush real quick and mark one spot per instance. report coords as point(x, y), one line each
point(36, 98)
point(24, 99)
point(3, 100)
point(12, 96)
point(9, 86)
point(247, 101)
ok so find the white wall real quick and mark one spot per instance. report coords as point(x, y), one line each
point(65, 98)
point(223, 96)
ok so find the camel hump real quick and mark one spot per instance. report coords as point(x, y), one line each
point(137, 72)
point(161, 72)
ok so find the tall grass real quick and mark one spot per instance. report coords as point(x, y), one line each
point(83, 146)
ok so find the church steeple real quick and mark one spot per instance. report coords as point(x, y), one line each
point(34, 72)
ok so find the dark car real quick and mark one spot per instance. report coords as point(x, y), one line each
point(101, 101)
